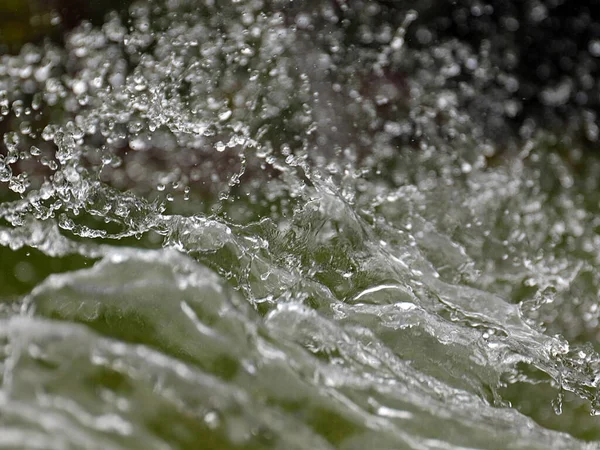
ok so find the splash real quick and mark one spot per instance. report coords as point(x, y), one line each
point(284, 240)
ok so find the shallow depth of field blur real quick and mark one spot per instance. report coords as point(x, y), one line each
point(262, 224)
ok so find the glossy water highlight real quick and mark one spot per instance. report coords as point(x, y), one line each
point(229, 228)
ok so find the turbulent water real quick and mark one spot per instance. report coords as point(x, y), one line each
point(224, 227)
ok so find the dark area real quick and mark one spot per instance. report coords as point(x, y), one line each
point(552, 47)
point(23, 21)
point(546, 54)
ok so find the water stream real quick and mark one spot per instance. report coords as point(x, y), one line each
point(224, 226)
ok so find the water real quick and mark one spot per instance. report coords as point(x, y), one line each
point(227, 228)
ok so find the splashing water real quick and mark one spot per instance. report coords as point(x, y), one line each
point(229, 228)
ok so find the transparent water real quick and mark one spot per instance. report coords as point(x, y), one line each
point(224, 228)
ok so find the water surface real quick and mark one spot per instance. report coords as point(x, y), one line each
point(225, 227)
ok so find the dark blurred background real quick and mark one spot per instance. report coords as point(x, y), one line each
point(547, 51)
point(24, 21)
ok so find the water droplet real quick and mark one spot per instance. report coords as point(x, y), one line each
point(19, 183)
point(225, 115)
point(557, 404)
point(79, 87)
point(212, 420)
point(5, 172)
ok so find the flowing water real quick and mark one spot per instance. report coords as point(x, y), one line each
point(223, 226)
